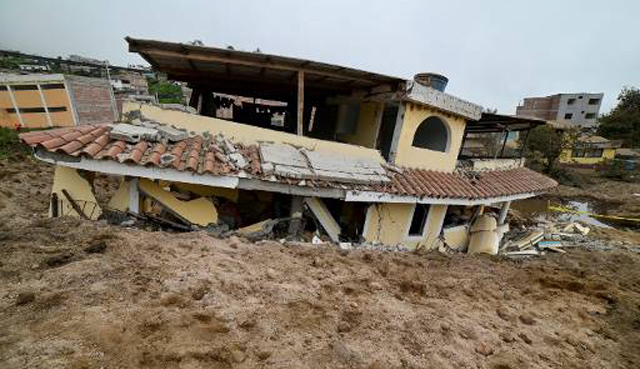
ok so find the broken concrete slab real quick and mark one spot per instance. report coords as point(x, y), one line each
point(200, 211)
point(325, 218)
point(132, 133)
point(292, 162)
point(456, 238)
point(172, 133)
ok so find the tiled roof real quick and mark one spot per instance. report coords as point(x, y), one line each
point(479, 185)
point(195, 154)
point(201, 155)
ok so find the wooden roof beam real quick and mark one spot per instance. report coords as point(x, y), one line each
point(203, 57)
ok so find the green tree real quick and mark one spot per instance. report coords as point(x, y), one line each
point(547, 143)
point(167, 92)
point(623, 122)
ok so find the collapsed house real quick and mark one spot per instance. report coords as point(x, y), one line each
point(372, 158)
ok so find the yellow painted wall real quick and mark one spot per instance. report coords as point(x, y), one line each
point(120, 199)
point(27, 98)
point(7, 119)
point(244, 133)
point(607, 154)
point(407, 155)
point(5, 100)
point(368, 125)
point(78, 188)
point(200, 211)
point(31, 99)
point(388, 224)
point(55, 98)
point(35, 120)
point(62, 118)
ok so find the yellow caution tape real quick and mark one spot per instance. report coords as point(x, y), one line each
point(572, 211)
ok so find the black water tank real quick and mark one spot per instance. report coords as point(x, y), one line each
point(433, 80)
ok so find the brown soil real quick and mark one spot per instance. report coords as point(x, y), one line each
point(79, 294)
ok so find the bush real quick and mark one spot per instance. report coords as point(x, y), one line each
point(10, 146)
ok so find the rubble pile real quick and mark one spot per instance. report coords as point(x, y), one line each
point(549, 236)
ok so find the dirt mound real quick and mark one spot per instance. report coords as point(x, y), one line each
point(153, 299)
point(80, 294)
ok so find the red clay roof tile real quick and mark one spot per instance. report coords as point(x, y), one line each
point(203, 156)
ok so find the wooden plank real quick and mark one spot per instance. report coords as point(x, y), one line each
point(74, 204)
point(300, 102)
point(529, 240)
point(522, 253)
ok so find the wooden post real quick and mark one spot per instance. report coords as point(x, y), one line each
point(300, 101)
point(74, 205)
point(523, 146)
point(504, 143)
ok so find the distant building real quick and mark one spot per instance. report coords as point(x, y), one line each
point(54, 100)
point(132, 82)
point(578, 109)
point(83, 59)
point(34, 68)
point(590, 150)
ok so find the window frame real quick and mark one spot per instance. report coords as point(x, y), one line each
point(447, 128)
point(417, 237)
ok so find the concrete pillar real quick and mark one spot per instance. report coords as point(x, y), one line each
point(296, 213)
point(134, 196)
point(503, 212)
point(15, 105)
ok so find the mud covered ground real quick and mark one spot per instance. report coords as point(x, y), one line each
point(78, 294)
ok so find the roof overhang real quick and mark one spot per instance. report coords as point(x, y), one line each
point(253, 184)
point(203, 64)
point(493, 123)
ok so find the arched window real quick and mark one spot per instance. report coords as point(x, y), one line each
point(432, 134)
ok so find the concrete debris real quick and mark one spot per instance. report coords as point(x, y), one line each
point(238, 160)
point(132, 133)
point(550, 236)
point(139, 130)
point(179, 107)
point(165, 159)
point(292, 162)
point(172, 133)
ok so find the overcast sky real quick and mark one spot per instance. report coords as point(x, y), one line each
point(494, 52)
